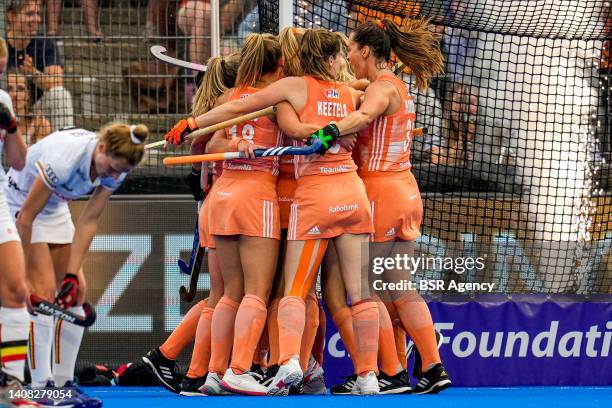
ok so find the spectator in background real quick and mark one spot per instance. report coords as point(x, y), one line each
point(32, 126)
point(38, 58)
point(90, 10)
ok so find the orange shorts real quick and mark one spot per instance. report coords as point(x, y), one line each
point(206, 240)
point(329, 206)
point(396, 205)
point(244, 203)
point(286, 191)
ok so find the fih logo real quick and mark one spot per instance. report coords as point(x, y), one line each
point(332, 94)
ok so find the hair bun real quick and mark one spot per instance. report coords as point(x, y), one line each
point(141, 132)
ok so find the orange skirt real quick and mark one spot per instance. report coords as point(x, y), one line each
point(244, 203)
point(286, 192)
point(329, 206)
point(206, 240)
point(396, 205)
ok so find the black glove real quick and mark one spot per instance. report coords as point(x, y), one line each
point(193, 181)
point(7, 120)
point(327, 135)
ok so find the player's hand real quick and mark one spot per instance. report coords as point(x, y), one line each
point(178, 134)
point(67, 295)
point(327, 135)
point(247, 149)
point(193, 181)
point(348, 141)
point(7, 120)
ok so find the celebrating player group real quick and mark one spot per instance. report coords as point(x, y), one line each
point(270, 224)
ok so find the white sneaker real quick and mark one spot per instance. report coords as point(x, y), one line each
point(314, 381)
point(242, 384)
point(366, 385)
point(288, 374)
point(212, 385)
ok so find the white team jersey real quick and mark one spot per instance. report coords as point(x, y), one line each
point(5, 99)
point(63, 160)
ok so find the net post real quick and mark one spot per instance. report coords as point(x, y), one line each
point(285, 14)
point(215, 30)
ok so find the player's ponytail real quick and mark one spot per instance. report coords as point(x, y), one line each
point(220, 76)
point(260, 55)
point(124, 141)
point(289, 39)
point(412, 42)
point(316, 48)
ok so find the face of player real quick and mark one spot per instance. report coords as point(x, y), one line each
point(27, 20)
point(357, 59)
point(109, 166)
point(336, 63)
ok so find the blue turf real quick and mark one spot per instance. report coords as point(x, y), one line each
point(518, 397)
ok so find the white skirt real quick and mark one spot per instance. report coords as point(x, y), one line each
point(8, 232)
point(51, 228)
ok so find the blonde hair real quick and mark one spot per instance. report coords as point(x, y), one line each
point(3, 48)
point(412, 42)
point(316, 47)
point(118, 140)
point(220, 76)
point(289, 39)
point(260, 55)
point(345, 75)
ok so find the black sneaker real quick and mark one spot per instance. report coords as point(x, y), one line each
point(433, 381)
point(192, 387)
point(163, 369)
point(417, 371)
point(257, 373)
point(346, 388)
point(269, 375)
point(297, 389)
point(396, 384)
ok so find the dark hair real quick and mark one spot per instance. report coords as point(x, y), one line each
point(15, 6)
point(412, 43)
point(316, 47)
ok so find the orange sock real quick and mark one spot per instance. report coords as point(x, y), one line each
point(400, 345)
point(184, 333)
point(318, 348)
point(222, 334)
point(387, 353)
point(273, 355)
point(200, 358)
point(291, 315)
point(417, 322)
point(344, 322)
point(259, 356)
point(250, 321)
point(310, 329)
point(365, 327)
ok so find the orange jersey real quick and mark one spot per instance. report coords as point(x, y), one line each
point(261, 131)
point(326, 102)
point(385, 144)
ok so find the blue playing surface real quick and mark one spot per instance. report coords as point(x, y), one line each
point(518, 397)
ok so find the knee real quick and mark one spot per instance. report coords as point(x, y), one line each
point(14, 293)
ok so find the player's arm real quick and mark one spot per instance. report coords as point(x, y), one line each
point(375, 103)
point(14, 145)
point(289, 122)
point(34, 203)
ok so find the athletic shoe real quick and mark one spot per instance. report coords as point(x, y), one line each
point(346, 387)
point(396, 384)
point(162, 369)
point(288, 374)
point(433, 381)
point(257, 373)
point(193, 387)
point(269, 375)
point(90, 402)
point(314, 382)
point(212, 385)
point(417, 371)
point(366, 384)
point(9, 385)
point(242, 384)
point(67, 402)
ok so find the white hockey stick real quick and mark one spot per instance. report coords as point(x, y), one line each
point(158, 52)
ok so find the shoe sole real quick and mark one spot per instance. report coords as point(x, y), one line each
point(291, 379)
point(191, 394)
point(213, 392)
point(399, 390)
point(228, 387)
point(159, 377)
point(371, 391)
point(435, 388)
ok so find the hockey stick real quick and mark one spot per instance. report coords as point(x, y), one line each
point(193, 269)
point(272, 151)
point(50, 309)
point(210, 129)
point(158, 52)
